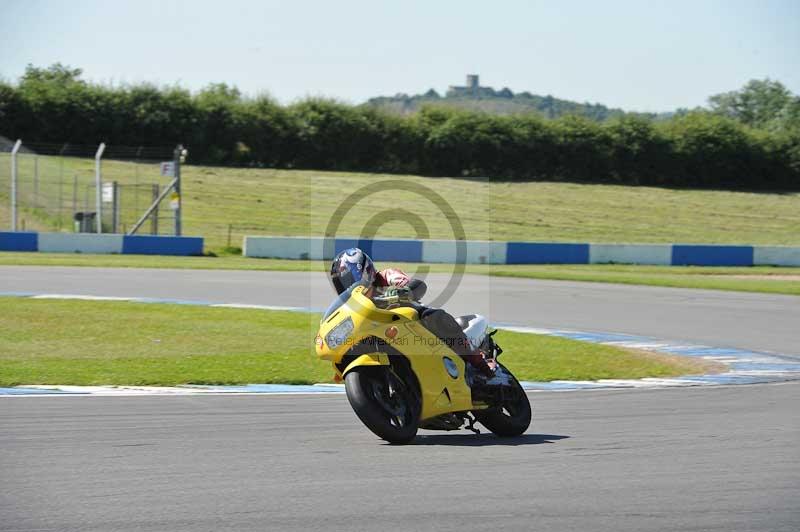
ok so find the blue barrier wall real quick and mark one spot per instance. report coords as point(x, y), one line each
point(485, 252)
point(470, 251)
point(19, 241)
point(655, 254)
point(776, 255)
point(340, 244)
point(162, 245)
point(105, 243)
point(698, 255)
point(399, 250)
point(546, 253)
point(80, 243)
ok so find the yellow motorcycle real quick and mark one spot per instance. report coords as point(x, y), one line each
point(400, 377)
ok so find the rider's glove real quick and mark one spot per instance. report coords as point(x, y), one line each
point(402, 293)
point(393, 296)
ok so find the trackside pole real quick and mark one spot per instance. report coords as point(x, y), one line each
point(14, 151)
point(154, 217)
point(115, 188)
point(98, 183)
point(179, 157)
point(170, 169)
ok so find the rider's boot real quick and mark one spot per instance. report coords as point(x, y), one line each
point(487, 372)
point(478, 360)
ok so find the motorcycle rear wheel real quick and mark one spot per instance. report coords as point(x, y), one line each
point(512, 417)
point(385, 402)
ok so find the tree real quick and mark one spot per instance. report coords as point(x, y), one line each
point(761, 103)
point(55, 73)
point(639, 152)
point(505, 92)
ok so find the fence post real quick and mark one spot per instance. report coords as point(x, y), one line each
point(154, 216)
point(14, 151)
point(61, 185)
point(98, 181)
point(115, 199)
point(180, 156)
point(136, 167)
point(74, 197)
point(35, 181)
point(60, 203)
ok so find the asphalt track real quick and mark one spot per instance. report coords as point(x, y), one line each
point(691, 459)
point(762, 322)
point(712, 458)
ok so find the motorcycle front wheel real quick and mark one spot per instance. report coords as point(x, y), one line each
point(385, 401)
point(510, 418)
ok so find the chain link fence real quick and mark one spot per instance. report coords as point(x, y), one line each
point(56, 188)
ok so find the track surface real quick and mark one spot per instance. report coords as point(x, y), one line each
point(699, 459)
point(721, 319)
point(719, 458)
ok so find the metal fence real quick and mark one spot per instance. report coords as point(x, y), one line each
point(56, 188)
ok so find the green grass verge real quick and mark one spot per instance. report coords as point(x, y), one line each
point(227, 262)
point(765, 279)
point(100, 342)
point(293, 202)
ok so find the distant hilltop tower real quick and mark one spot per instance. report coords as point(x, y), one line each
point(473, 83)
point(472, 87)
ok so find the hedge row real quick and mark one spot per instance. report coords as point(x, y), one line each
point(220, 127)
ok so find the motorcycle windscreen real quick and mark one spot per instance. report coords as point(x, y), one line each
point(338, 302)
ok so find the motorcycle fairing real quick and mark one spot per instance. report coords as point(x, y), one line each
point(441, 393)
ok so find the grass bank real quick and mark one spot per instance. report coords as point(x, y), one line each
point(754, 279)
point(230, 202)
point(101, 342)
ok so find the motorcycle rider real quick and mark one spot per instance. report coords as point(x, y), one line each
point(353, 266)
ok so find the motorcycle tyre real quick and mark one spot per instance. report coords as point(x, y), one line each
point(508, 426)
point(357, 385)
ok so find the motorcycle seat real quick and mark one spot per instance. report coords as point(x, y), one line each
point(475, 327)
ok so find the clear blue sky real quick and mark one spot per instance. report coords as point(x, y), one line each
point(637, 54)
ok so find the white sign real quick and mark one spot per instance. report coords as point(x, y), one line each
point(174, 201)
point(108, 192)
point(168, 169)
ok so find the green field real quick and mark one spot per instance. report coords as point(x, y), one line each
point(93, 342)
point(755, 279)
point(764, 279)
point(223, 202)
